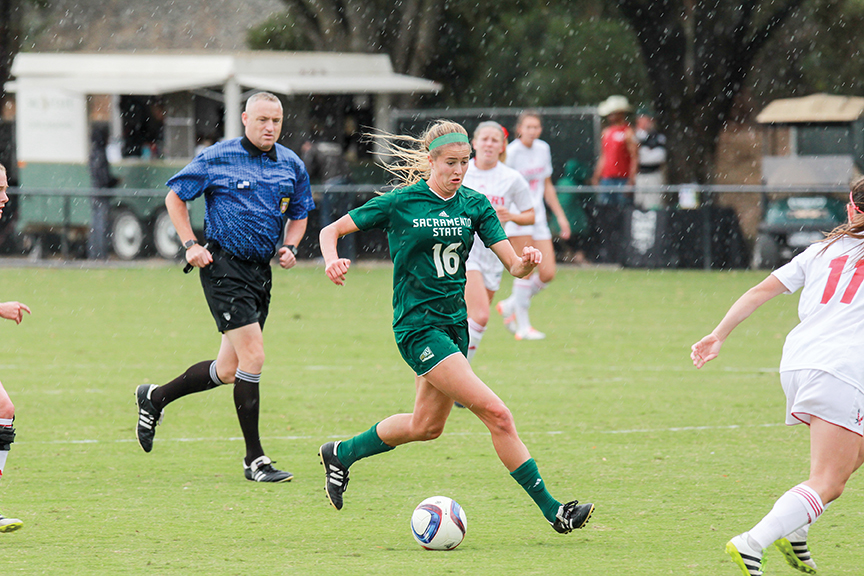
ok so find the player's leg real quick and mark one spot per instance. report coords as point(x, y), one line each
point(532, 285)
point(7, 437)
point(835, 453)
point(477, 299)
point(152, 399)
point(247, 345)
point(455, 379)
point(507, 307)
point(7, 432)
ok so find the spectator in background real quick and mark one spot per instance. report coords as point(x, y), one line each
point(652, 162)
point(619, 152)
point(101, 179)
point(326, 164)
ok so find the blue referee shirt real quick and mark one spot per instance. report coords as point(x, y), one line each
point(249, 195)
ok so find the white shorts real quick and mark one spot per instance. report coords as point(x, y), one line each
point(485, 261)
point(817, 393)
point(538, 231)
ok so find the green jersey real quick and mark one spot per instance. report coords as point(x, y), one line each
point(430, 239)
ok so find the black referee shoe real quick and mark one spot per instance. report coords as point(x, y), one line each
point(262, 470)
point(148, 417)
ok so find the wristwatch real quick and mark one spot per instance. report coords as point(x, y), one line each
point(291, 247)
point(189, 243)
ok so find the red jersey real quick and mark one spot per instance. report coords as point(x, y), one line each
point(617, 157)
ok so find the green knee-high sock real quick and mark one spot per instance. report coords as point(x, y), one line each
point(361, 446)
point(529, 478)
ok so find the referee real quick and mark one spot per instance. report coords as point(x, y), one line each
point(257, 199)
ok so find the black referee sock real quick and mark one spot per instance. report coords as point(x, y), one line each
point(197, 378)
point(247, 402)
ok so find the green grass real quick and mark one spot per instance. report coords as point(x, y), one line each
point(676, 460)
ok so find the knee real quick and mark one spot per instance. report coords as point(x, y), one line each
point(428, 431)
point(251, 361)
point(481, 316)
point(498, 418)
point(7, 409)
point(546, 276)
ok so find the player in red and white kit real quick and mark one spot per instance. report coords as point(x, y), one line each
point(532, 158)
point(822, 374)
point(506, 189)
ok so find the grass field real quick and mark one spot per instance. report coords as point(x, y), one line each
point(676, 460)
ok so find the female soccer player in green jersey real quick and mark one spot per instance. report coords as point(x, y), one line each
point(430, 223)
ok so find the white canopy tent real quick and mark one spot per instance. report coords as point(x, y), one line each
point(46, 77)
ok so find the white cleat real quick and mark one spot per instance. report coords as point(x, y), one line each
point(747, 558)
point(530, 334)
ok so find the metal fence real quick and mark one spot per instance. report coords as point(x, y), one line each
point(685, 234)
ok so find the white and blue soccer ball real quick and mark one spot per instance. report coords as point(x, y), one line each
point(439, 523)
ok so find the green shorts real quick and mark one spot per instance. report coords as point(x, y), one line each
point(423, 349)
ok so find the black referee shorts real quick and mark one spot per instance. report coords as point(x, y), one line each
point(237, 290)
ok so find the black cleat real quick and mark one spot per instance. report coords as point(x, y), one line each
point(262, 470)
point(336, 474)
point(148, 417)
point(572, 516)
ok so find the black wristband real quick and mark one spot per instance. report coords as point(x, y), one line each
point(291, 247)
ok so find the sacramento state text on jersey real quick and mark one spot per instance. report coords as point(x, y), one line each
point(429, 239)
point(448, 227)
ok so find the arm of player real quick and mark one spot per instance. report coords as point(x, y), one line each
point(13, 311)
point(294, 232)
point(336, 267)
point(197, 255)
point(550, 196)
point(516, 265)
point(525, 218)
point(708, 347)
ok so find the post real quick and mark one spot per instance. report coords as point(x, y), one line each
point(233, 126)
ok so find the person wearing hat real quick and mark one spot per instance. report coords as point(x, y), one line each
point(619, 151)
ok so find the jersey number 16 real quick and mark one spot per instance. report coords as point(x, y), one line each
point(446, 260)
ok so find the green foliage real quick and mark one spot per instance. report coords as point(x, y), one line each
point(278, 32)
point(609, 406)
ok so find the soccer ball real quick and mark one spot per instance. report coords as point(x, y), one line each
point(439, 523)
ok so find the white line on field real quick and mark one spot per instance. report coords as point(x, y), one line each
point(290, 438)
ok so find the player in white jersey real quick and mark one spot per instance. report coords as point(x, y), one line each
point(532, 158)
point(506, 190)
point(822, 374)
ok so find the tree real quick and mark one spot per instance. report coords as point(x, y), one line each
point(697, 56)
point(405, 29)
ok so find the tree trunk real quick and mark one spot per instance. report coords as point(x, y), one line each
point(698, 55)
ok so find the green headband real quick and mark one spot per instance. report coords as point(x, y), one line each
point(448, 139)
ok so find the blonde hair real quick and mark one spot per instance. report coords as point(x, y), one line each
point(410, 164)
point(502, 157)
point(854, 228)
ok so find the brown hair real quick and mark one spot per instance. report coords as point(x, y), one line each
point(410, 164)
point(854, 228)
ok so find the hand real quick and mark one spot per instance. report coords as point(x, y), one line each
point(337, 269)
point(504, 215)
point(705, 350)
point(13, 311)
point(198, 256)
point(564, 225)
point(531, 257)
point(286, 258)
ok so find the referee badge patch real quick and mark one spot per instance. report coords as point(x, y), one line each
point(283, 204)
